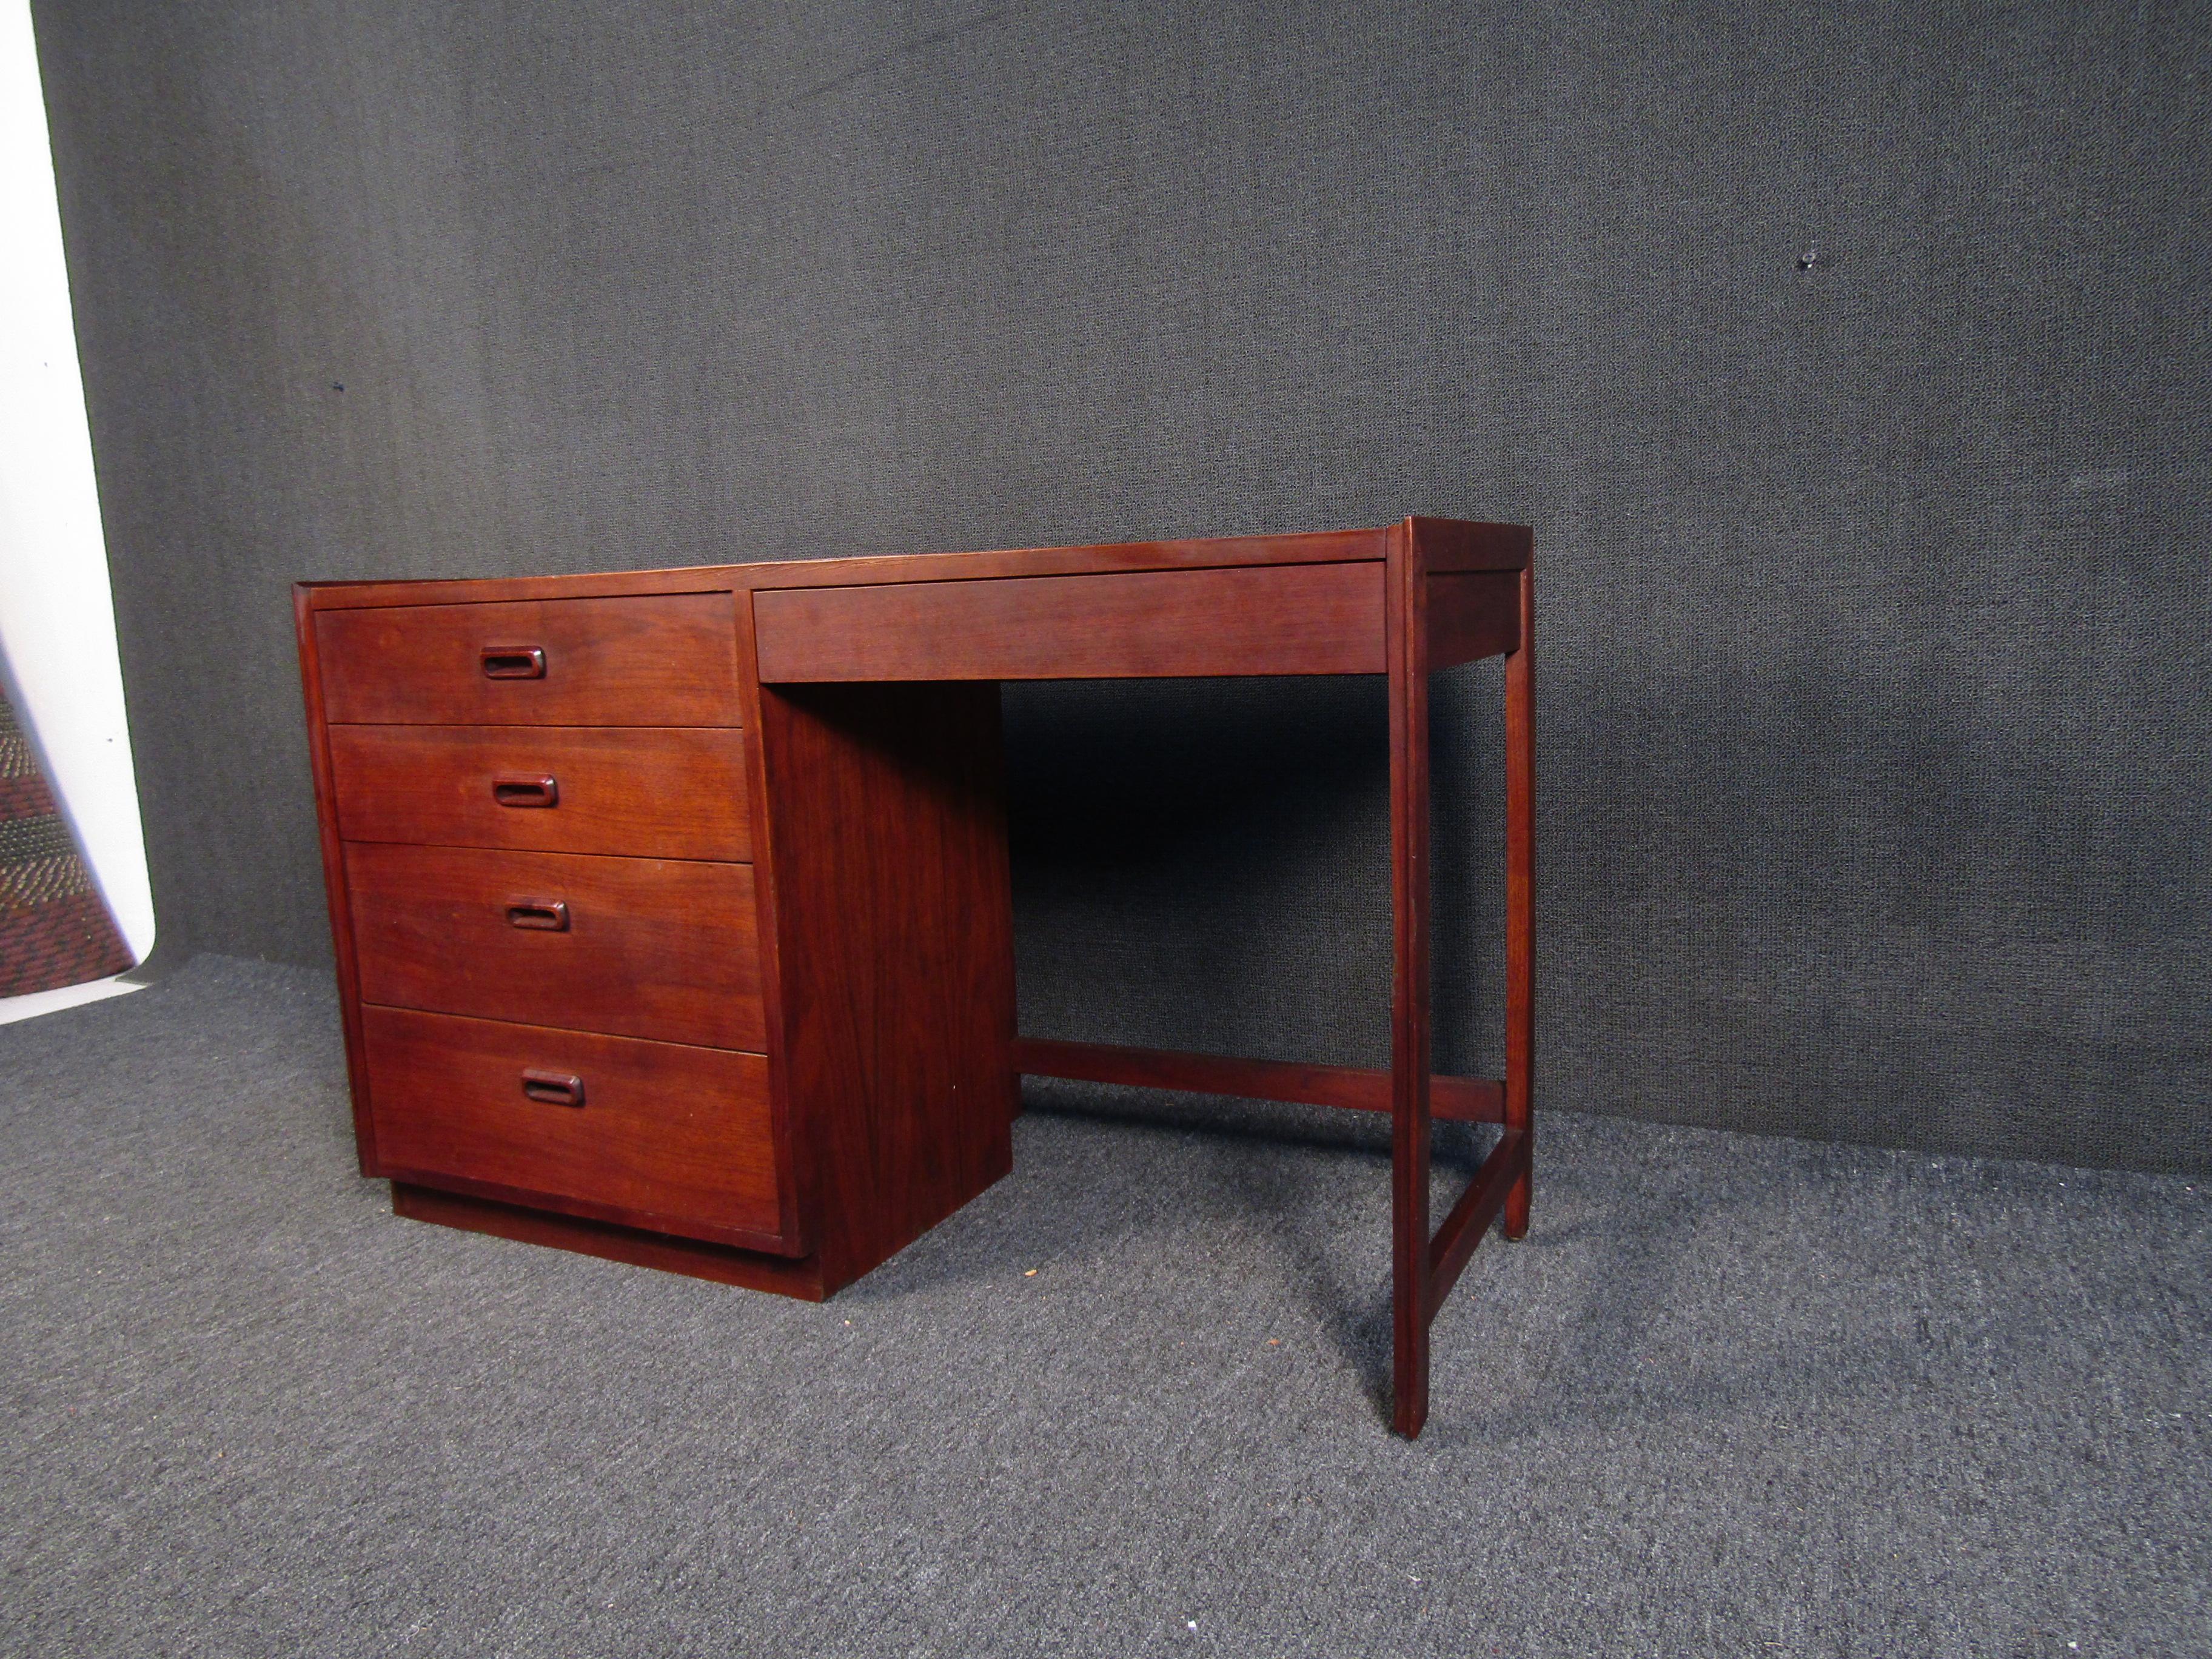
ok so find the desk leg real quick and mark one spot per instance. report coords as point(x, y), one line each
point(1521, 897)
point(1406, 624)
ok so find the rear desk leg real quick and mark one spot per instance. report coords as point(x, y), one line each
point(1521, 897)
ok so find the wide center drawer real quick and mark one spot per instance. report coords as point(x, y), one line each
point(653, 791)
point(649, 1134)
point(652, 660)
point(655, 948)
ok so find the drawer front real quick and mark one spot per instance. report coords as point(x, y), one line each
point(668, 792)
point(659, 660)
point(1258, 619)
point(639, 947)
point(651, 1134)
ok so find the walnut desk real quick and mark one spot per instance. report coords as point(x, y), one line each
point(672, 907)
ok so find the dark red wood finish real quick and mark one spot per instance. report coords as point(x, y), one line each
point(667, 1136)
point(648, 659)
point(1409, 646)
point(1470, 1218)
point(1457, 1099)
point(877, 981)
point(655, 948)
point(1204, 553)
point(527, 1224)
point(796, 1173)
point(1473, 615)
point(1449, 545)
point(649, 791)
point(334, 883)
point(896, 945)
point(1520, 899)
point(1238, 619)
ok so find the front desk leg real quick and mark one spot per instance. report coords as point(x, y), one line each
point(1406, 622)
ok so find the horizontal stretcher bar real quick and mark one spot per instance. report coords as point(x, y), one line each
point(1358, 1088)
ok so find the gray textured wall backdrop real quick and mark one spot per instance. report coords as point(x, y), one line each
point(1873, 597)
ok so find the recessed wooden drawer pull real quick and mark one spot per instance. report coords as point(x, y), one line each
point(514, 662)
point(554, 1088)
point(539, 915)
point(526, 792)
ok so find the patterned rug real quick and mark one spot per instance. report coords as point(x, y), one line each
point(55, 928)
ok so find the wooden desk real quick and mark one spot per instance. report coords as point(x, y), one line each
point(671, 909)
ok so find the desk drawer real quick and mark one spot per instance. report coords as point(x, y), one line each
point(649, 1134)
point(670, 792)
point(1128, 624)
point(653, 948)
point(656, 660)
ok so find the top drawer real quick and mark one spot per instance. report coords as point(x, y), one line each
point(657, 659)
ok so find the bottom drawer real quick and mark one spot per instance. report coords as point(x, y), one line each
point(653, 1134)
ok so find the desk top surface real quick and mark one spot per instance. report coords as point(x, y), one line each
point(1449, 544)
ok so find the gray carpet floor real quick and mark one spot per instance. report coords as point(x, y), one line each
point(1732, 1396)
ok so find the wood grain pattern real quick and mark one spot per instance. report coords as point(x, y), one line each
point(896, 925)
point(1473, 615)
point(648, 792)
point(654, 948)
point(877, 977)
point(795, 1170)
point(669, 1137)
point(1450, 545)
point(1287, 619)
point(1521, 900)
point(334, 881)
point(1211, 552)
point(1407, 638)
point(662, 660)
point(1458, 1099)
point(517, 590)
point(800, 1278)
point(1306, 547)
point(1470, 1218)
